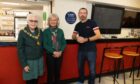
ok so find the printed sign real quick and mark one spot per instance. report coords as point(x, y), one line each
point(70, 17)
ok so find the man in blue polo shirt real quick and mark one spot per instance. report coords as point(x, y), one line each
point(86, 32)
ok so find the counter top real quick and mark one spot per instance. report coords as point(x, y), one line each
point(118, 40)
point(110, 40)
point(70, 41)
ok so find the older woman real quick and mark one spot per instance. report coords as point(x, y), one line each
point(30, 50)
point(54, 44)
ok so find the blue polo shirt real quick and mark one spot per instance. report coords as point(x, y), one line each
point(86, 30)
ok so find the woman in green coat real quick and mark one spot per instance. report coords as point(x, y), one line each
point(54, 44)
point(30, 50)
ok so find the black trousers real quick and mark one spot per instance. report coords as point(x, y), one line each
point(54, 67)
point(33, 81)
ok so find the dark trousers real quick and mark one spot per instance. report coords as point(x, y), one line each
point(33, 81)
point(90, 56)
point(54, 67)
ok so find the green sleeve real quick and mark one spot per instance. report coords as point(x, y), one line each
point(47, 42)
point(20, 47)
point(63, 42)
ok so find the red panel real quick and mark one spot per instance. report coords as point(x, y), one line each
point(11, 71)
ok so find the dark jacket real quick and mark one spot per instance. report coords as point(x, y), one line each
point(27, 46)
point(47, 42)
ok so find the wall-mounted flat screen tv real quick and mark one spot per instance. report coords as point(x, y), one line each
point(131, 19)
point(108, 18)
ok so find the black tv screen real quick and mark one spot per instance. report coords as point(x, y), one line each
point(131, 19)
point(108, 18)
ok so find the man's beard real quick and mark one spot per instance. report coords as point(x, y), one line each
point(83, 18)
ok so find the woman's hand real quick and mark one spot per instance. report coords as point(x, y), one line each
point(60, 54)
point(26, 68)
point(57, 54)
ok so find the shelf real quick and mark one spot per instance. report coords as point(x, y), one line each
point(7, 23)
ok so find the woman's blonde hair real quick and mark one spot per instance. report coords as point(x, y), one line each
point(53, 15)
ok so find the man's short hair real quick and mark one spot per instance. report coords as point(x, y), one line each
point(83, 9)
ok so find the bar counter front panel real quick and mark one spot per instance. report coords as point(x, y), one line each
point(11, 71)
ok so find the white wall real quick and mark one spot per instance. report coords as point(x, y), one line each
point(61, 7)
point(125, 3)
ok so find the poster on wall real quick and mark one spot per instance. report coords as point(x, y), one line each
point(6, 23)
point(70, 17)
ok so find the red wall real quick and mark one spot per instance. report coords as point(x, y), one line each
point(11, 71)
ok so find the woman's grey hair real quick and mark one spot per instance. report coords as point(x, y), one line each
point(53, 15)
point(31, 15)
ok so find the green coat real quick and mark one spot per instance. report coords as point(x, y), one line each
point(47, 40)
point(28, 48)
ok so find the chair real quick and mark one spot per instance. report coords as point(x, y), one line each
point(116, 57)
point(139, 59)
point(133, 54)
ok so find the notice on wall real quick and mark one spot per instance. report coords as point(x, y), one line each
point(6, 23)
point(70, 17)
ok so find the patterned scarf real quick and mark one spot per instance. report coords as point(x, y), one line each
point(54, 39)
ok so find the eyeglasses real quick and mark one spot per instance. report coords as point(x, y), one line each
point(35, 21)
